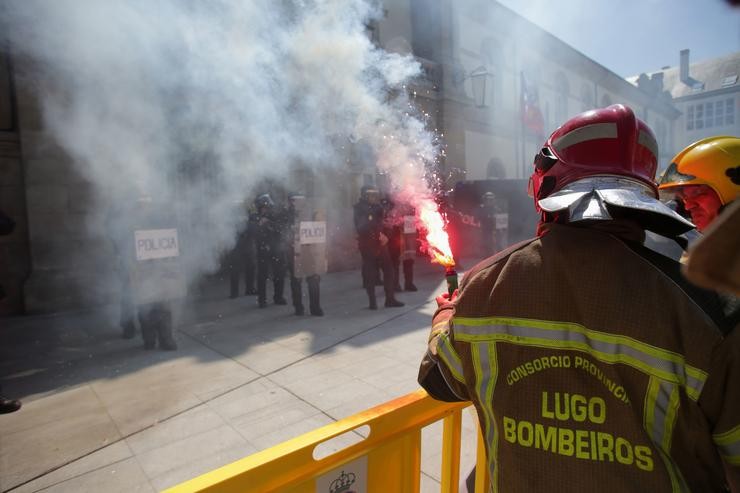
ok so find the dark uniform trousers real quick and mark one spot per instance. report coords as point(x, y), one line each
point(155, 320)
point(370, 258)
point(296, 291)
point(128, 309)
point(394, 255)
point(241, 261)
point(270, 263)
point(395, 252)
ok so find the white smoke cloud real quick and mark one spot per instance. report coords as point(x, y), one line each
point(137, 91)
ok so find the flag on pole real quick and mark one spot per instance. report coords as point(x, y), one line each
point(531, 114)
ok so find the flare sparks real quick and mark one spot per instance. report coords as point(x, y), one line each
point(437, 240)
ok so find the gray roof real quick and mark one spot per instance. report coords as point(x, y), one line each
point(714, 74)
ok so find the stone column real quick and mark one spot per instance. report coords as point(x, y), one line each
point(14, 256)
point(70, 266)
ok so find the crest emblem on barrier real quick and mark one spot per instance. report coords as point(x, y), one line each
point(343, 483)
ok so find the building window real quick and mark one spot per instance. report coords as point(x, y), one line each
point(730, 112)
point(719, 113)
point(709, 115)
point(699, 112)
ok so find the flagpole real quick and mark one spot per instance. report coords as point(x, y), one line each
point(521, 124)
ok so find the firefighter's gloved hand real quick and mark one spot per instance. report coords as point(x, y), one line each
point(445, 298)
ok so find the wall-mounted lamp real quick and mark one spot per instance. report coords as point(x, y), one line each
point(478, 81)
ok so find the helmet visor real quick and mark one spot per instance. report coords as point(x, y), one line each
point(674, 177)
point(623, 193)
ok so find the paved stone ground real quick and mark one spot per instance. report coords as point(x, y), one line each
point(102, 414)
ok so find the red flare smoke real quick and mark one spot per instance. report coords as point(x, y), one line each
point(437, 240)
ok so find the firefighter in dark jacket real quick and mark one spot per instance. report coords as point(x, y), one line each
point(271, 250)
point(373, 245)
point(593, 365)
point(705, 178)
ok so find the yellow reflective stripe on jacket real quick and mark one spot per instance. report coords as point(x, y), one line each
point(438, 329)
point(485, 366)
point(729, 445)
point(608, 348)
point(450, 357)
point(661, 406)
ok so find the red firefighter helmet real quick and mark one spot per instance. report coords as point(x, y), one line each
point(601, 165)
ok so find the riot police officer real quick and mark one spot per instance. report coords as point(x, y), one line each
point(392, 229)
point(493, 216)
point(486, 215)
point(400, 227)
point(269, 226)
point(307, 252)
point(241, 258)
point(373, 244)
point(407, 233)
point(150, 272)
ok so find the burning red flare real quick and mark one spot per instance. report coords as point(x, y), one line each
point(437, 240)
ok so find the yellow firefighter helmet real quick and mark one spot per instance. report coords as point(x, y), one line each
point(714, 161)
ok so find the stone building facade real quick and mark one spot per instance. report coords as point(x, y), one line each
point(478, 59)
point(462, 40)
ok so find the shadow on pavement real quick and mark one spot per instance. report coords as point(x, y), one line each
point(45, 354)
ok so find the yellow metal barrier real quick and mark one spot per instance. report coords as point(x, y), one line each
point(387, 460)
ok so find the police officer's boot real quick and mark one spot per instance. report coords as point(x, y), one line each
point(371, 297)
point(389, 285)
point(262, 292)
point(163, 318)
point(296, 292)
point(313, 295)
point(393, 302)
point(408, 275)
point(9, 405)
